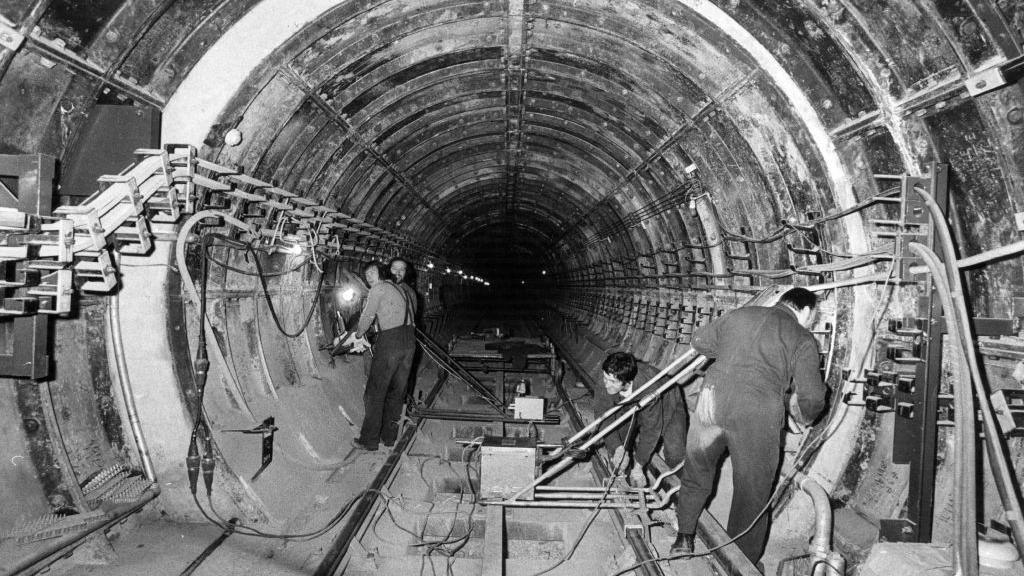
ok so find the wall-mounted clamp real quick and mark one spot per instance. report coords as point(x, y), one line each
point(265, 429)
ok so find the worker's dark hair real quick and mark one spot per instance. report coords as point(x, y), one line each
point(410, 271)
point(382, 272)
point(622, 365)
point(800, 298)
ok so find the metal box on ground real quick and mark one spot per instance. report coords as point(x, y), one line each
point(528, 408)
point(506, 466)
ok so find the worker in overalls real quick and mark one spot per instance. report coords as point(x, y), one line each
point(761, 354)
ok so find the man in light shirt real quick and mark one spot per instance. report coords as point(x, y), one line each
point(388, 309)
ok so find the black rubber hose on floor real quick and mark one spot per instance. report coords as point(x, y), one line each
point(228, 531)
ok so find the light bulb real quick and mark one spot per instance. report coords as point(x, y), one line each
point(233, 137)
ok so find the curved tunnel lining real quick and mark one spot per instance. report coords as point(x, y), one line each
point(222, 72)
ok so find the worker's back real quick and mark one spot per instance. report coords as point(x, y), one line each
point(758, 353)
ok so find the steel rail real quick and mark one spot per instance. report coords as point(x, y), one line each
point(336, 553)
point(600, 471)
point(448, 362)
point(686, 358)
point(728, 558)
point(632, 407)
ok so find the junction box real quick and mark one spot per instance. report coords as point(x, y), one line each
point(507, 465)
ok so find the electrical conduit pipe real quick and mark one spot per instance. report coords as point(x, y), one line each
point(826, 562)
point(114, 321)
point(1002, 474)
point(964, 534)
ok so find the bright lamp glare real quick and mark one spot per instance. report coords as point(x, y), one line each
point(292, 249)
point(348, 294)
point(430, 265)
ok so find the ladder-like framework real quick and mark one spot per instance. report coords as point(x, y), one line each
point(44, 254)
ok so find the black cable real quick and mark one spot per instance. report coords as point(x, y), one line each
point(201, 368)
point(270, 304)
point(786, 228)
point(250, 531)
point(443, 546)
point(782, 231)
point(825, 562)
point(464, 539)
point(262, 276)
point(570, 400)
point(238, 270)
point(200, 426)
point(434, 546)
point(597, 507)
point(191, 568)
point(707, 552)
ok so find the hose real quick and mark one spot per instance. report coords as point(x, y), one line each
point(183, 239)
point(228, 531)
point(1001, 471)
point(192, 292)
point(964, 451)
point(994, 254)
point(821, 543)
point(116, 339)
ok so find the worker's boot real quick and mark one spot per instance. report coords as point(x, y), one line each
point(682, 545)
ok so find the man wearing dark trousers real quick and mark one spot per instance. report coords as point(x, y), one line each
point(404, 279)
point(388, 307)
point(664, 419)
point(760, 355)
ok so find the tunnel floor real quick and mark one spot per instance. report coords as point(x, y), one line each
point(429, 519)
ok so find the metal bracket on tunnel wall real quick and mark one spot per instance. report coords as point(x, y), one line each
point(266, 431)
point(705, 211)
point(26, 187)
point(908, 378)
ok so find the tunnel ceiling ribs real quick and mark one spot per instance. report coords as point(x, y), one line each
point(420, 85)
point(656, 154)
point(437, 116)
point(517, 40)
point(54, 50)
point(565, 128)
point(360, 142)
point(556, 135)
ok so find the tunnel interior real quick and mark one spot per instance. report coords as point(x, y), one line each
point(612, 175)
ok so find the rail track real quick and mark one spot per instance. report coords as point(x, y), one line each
point(423, 512)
